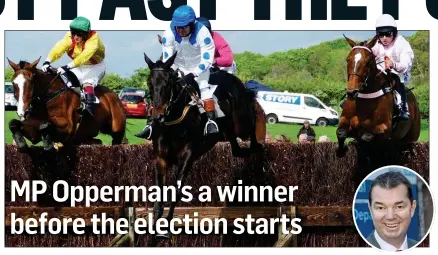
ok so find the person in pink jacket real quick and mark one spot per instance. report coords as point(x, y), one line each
point(223, 57)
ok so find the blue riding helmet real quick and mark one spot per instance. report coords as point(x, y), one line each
point(205, 22)
point(183, 16)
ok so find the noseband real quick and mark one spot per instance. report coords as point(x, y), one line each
point(363, 79)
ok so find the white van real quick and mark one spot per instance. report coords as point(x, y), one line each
point(10, 102)
point(296, 108)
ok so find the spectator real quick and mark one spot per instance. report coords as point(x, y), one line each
point(302, 138)
point(323, 139)
point(308, 131)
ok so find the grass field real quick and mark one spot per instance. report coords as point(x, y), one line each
point(290, 130)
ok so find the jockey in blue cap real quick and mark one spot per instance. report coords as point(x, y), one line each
point(196, 49)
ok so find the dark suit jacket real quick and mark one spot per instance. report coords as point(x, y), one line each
point(373, 241)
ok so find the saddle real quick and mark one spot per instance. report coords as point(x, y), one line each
point(75, 86)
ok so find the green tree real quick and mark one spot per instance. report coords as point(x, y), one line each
point(9, 73)
point(138, 79)
point(113, 82)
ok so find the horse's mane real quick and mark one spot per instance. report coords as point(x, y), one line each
point(23, 64)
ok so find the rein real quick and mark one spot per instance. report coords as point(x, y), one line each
point(173, 101)
point(50, 97)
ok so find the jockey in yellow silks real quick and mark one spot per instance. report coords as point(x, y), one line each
point(87, 52)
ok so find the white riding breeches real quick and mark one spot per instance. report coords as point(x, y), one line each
point(231, 69)
point(90, 74)
point(206, 89)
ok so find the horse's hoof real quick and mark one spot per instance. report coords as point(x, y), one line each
point(340, 152)
point(50, 149)
point(58, 146)
point(367, 137)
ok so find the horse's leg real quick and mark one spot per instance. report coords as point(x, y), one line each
point(118, 126)
point(256, 124)
point(260, 123)
point(341, 134)
point(236, 150)
point(27, 128)
point(46, 130)
point(185, 162)
point(160, 180)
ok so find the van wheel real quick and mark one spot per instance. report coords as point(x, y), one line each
point(272, 119)
point(322, 122)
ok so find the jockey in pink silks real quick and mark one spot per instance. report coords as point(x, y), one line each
point(223, 56)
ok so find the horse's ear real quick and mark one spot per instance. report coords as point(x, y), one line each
point(35, 63)
point(160, 39)
point(14, 66)
point(351, 42)
point(148, 61)
point(372, 42)
point(170, 61)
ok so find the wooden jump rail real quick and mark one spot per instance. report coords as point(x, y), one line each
point(310, 216)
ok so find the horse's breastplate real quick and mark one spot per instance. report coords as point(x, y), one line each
point(189, 56)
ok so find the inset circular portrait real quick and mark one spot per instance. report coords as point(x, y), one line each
point(393, 209)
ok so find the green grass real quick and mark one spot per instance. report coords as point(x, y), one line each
point(289, 130)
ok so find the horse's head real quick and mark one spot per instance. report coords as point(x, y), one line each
point(361, 65)
point(161, 83)
point(23, 82)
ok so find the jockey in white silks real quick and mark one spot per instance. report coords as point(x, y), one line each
point(394, 52)
point(196, 49)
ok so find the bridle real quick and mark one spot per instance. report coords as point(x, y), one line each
point(363, 78)
point(42, 97)
point(174, 81)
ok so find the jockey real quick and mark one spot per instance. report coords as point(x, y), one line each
point(394, 52)
point(87, 52)
point(196, 49)
point(223, 56)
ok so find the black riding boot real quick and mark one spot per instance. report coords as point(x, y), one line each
point(90, 99)
point(211, 126)
point(146, 133)
point(403, 109)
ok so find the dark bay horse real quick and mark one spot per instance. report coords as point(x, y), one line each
point(48, 110)
point(260, 113)
point(368, 112)
point(179, 139)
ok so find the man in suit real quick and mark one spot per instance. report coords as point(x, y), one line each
point(392, 206)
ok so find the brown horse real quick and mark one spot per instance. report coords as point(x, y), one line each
point(368, 112)
point(178, 137)
point(49, 110)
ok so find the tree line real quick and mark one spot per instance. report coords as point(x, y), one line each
point(319, 70)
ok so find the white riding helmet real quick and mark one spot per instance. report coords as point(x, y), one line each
point(386, 23)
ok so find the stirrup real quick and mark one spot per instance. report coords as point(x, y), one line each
point(212, 123)
point(140, 135)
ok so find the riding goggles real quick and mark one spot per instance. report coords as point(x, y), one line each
point(387, 34)
point(76, 32)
